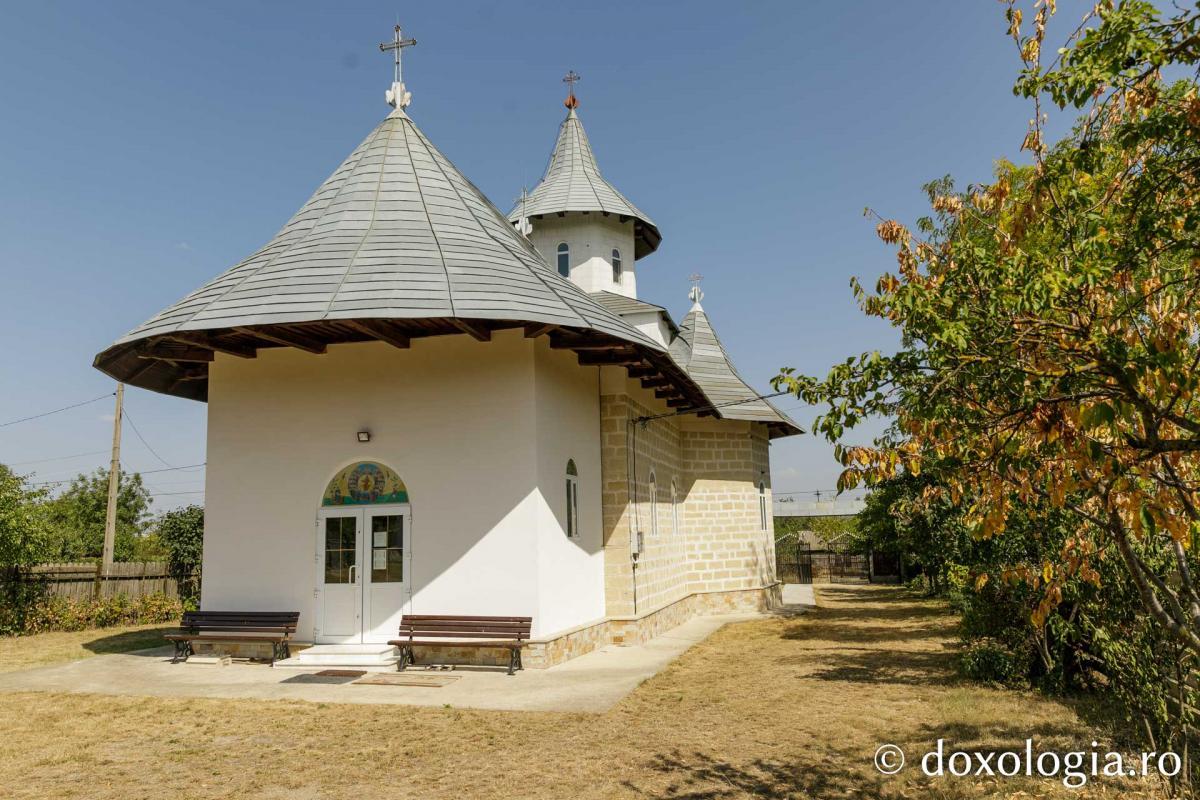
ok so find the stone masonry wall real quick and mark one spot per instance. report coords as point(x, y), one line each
point(729, 545)
point(642, 451)
point(714, 538)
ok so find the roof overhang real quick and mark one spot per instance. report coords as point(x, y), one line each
point(177, 363)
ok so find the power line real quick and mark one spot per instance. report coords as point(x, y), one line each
point(56, 458)
point(57, 410)
point(172, 469)
point(136, 472)
point(142, 439)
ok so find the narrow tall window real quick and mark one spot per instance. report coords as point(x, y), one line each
point(564, 260)
point(572, 500)
point(762, 504)
point(616, 264)
point(674, 508)
point(653, 505)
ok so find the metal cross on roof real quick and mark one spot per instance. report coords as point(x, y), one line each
point(694, 294)
point(396, 96)
point(570, 79)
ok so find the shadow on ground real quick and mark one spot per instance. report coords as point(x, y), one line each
point(129, 641)
point(699, 776)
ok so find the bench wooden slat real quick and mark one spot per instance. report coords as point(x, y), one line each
point(433, 626)
point(448, 630)
point(235, 626)
point(464, 634)
point(194, 637)
point(425, 618)
point(469, 643)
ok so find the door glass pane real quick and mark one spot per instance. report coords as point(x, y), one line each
point(387, 548)
point(341, 551)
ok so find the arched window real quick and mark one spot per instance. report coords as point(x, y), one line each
point(653, 505)
point(572, 499)
point(762, 504)
point(674, 508)
point(564, 260)
point(616, 265)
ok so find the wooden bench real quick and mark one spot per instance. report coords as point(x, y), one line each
point(440, 630)
point(275, 627)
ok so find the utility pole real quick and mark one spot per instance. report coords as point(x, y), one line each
point(114, 474)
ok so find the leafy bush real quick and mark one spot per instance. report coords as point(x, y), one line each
point(991, 661)
point(17, 599)
point(51, 613)
point(181, 533)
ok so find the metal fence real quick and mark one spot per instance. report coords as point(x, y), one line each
point(80, 581)
point(798, 564)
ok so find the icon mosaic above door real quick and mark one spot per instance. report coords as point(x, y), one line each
point(365, 483)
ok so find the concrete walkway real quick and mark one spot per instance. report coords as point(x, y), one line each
point(591, 683)
point(797, 596)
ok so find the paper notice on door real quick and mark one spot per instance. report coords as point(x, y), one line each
point(380, 538)
point(379, 559)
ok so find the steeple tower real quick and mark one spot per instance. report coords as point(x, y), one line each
point(578, 221)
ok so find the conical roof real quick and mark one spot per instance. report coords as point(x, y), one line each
point(699, 351)
point(395, 234)
point(573, 183)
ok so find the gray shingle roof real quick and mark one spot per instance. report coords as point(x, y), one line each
point(395, 233)
point(621, 305)
point(701, 354)
point(573, 183)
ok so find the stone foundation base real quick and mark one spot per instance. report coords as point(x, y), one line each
point(542, 653)
point(633, 630)
point(232, 648)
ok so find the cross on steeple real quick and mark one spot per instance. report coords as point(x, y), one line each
point(397, 97)
point(570, 79)
point(694, 294)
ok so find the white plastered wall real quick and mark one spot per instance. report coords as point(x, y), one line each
point(570, 570)
point(459, 422)
point(591, 237)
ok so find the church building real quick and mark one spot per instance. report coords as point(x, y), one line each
point(420, 405)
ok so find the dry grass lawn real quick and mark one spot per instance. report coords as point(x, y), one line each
point(23, 652)
point(789, 707)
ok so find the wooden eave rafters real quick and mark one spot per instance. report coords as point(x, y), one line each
point(479, 331)
point(207, 341)
point(177, 363)
point(382, 330)
point(280, 336)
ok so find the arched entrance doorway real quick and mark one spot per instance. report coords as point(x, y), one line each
point(364, 545)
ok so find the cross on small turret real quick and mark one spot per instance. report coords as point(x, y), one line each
point(396, 96)
point(694, 294)
point(570, 79)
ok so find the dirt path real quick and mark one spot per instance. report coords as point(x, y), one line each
point(786, 707)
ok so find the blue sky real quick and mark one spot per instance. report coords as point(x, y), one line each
point(148, 147)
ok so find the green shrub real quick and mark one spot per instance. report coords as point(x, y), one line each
point(181, 533)
point(50, 613)
point(991, 661)
point(17, 598)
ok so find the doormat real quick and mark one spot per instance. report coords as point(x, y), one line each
point(401, 679)
point(317, 677)
point(341, 673)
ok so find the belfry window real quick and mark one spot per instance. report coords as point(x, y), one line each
point(616, 265)
point(572, 500)
point(564, 260)
point(653, 505)
point(674, 508)
point(762, 504)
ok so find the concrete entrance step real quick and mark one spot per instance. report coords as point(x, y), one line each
point(361, 656)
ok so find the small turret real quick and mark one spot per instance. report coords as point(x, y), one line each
point(578, 221)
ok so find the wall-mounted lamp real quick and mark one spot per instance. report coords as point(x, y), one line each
point(364, 436)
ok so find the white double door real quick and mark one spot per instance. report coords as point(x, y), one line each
point(363, 573)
